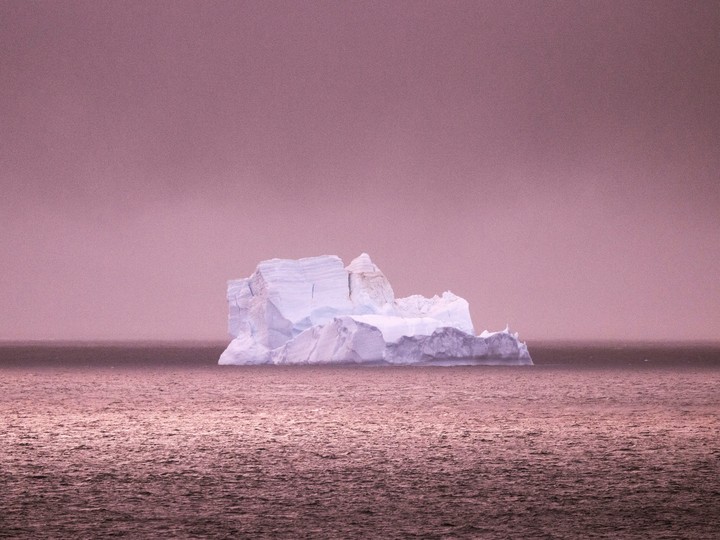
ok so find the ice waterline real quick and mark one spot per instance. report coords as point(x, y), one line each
point(317, 311)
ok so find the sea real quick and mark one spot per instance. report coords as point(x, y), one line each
point(595, 440)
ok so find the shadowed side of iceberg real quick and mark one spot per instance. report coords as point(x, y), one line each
point(450, 346)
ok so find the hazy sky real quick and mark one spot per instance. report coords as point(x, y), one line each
point(555, 163)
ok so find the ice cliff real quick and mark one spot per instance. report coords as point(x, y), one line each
point(318, 311)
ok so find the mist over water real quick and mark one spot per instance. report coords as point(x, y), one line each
point(157, 441)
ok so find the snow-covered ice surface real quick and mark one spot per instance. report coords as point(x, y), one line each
point(318, 311)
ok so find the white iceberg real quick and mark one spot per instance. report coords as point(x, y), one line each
point(318, 311)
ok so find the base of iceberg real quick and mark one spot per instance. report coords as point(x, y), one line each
point(316, 311)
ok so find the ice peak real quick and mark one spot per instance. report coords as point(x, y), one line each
point(369, 290)
point(362, 264)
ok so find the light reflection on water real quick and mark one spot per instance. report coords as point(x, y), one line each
point(355, 452)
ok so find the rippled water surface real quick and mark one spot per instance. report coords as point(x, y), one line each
point(188, 449)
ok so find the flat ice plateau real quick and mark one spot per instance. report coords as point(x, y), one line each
point(318, 311)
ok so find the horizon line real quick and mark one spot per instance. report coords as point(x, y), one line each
point(223, 343)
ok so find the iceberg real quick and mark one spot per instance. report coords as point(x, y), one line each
point(316, 310)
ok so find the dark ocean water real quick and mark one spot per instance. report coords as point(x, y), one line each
point(159, 442)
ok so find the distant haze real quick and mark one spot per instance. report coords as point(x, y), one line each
point(555, 163)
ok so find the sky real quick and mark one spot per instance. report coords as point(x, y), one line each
point(554, 163)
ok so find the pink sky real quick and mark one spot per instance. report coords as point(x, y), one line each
point(555, 163)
